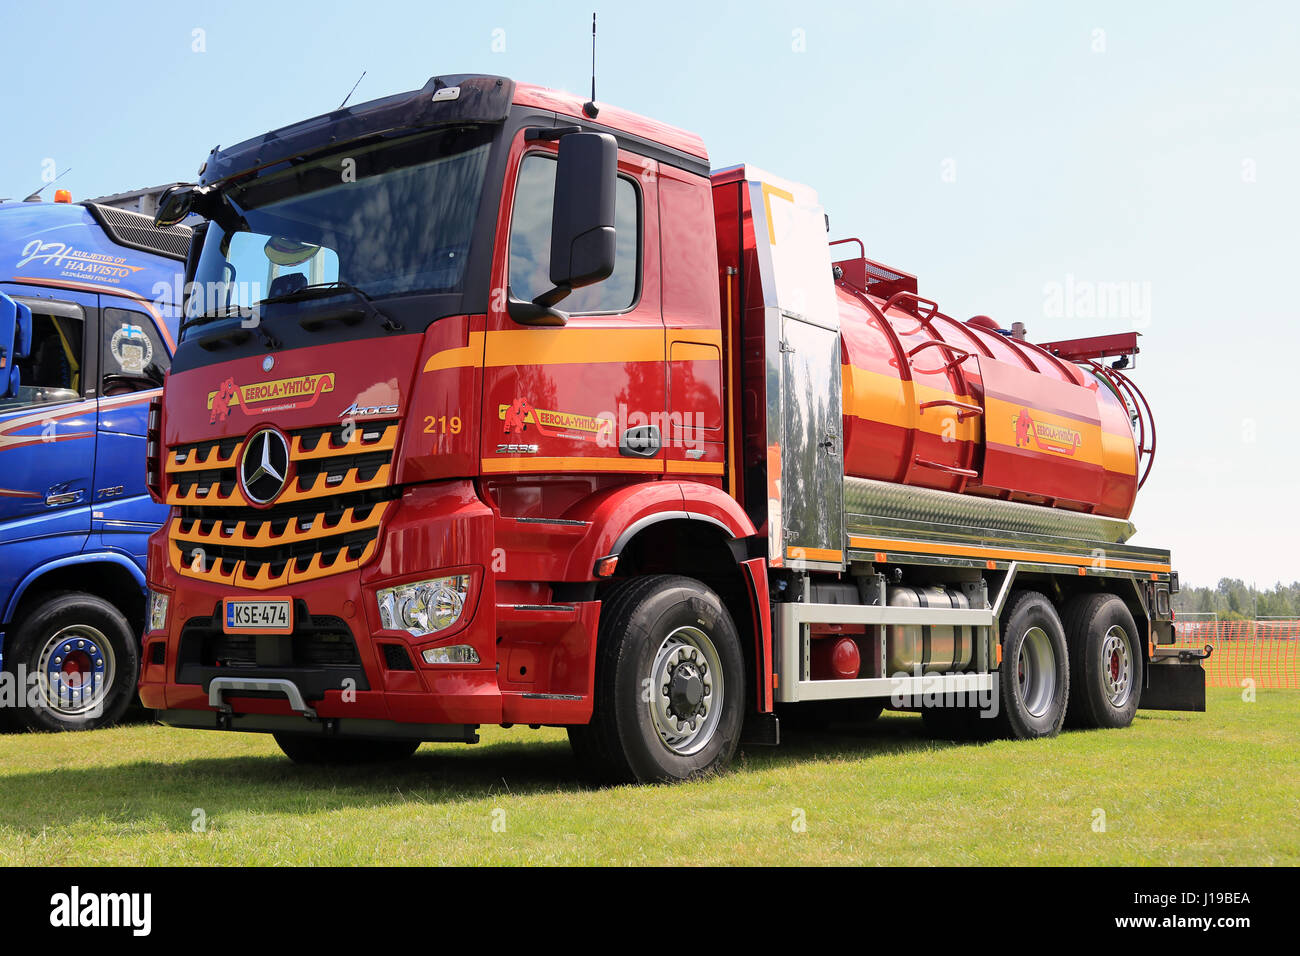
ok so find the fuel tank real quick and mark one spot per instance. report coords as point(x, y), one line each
point(964, 407)
point(929, 649)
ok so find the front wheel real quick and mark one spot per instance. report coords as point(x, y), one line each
point(75, 660)
point(670, 685)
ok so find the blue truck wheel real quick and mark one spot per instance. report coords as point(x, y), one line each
point(76, 660)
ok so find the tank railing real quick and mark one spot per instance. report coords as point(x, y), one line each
point(961, 353)
point(948, 469)
point(862, 249)
point(1146, 422)
point(917, 303)
point(965, 410)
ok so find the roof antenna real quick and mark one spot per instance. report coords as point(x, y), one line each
point(590, 107)
point(36, 196)
point(353, 90)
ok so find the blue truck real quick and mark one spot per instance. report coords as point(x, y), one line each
point(88, 318)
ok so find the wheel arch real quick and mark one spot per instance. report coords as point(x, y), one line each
point(704, 547)
point(107, 574)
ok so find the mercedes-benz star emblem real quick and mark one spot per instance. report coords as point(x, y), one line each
point(268, 363)
point(264, 466)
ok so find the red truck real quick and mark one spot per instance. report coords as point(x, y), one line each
point(492, 406)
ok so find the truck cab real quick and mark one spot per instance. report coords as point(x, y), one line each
point(90, 291)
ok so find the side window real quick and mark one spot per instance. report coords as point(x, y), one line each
point(530, 242)
point(132, 356)
point(52, 371)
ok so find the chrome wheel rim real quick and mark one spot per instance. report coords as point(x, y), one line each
point(76, 670)
point(1117, 666)
point(686, 691)
point(1036, 671)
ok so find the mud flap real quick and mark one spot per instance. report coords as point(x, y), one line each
point(1174, 685)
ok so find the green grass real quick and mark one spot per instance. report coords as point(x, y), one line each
point(1183, 789)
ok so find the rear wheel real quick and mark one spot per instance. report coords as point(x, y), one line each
point(305, 749)
point(670, 685)
point(75, 660)
point(1105, 662)
point(1034, 679)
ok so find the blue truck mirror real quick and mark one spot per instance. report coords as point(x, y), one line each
point(15, 343)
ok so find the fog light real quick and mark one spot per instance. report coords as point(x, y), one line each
point(455, 654)
point(157, 611)
point(423, 607)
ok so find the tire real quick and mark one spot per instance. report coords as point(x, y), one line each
point(332, 751)
point(1106, 670)
point(86, 658)
point(1034, 679)
point(662, 631)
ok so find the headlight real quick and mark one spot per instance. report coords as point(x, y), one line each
point(423, 607)
point(157, 611)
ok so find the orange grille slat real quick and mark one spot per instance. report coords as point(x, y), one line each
point(385, 442)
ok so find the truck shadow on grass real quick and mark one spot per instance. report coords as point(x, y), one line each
point(163, 795)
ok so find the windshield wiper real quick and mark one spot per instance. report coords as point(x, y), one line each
point(322, 290)
point(235, 335)
point(206, 317)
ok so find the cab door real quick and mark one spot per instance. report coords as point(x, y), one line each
point(48, 435)
point(133, 358)
point(588, 396)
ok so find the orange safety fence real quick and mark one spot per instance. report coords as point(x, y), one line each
point(1266, 652)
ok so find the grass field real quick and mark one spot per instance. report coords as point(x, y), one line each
point(1185, 789)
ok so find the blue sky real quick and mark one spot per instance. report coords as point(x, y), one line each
point(999, 150)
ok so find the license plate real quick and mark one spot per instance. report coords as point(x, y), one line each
point(266, 616)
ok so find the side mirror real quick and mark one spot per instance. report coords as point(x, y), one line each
point(174, 205)
point(15, 343)
point(180, 200)
point(583, 236)
point(582, 222)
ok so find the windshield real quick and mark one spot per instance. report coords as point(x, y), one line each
point(388, 218)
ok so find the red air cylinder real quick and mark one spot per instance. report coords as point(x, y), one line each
point(835, 658)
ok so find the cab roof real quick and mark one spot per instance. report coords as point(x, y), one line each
point(446, 99)
point(625, 121)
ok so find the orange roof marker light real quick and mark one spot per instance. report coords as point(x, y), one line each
point(63, 195)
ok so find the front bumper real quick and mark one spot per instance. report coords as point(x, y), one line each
point(324, 727)
point(347, 674)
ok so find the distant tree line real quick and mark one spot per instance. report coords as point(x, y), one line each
point(1233, 599)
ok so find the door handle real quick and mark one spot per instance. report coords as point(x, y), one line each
point(63, 498)
point(640, 441)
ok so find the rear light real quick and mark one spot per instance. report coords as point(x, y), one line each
point(153, 450)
